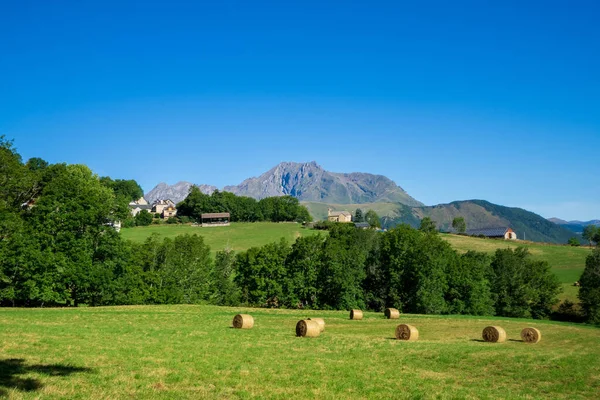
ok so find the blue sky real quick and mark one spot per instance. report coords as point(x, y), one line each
point(452, 100)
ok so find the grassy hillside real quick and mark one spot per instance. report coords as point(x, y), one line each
point(173, 352)
point(238, 236)
point(567, 262)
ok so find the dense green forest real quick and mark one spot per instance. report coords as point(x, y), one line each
point(58, 248)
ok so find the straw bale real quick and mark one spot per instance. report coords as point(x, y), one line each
point(406, 332)
point(392, 313)
point(356, 314)
point(307, 328)
point(319, 321)
point(243, 321)
point(494, 334)
point(531, 335)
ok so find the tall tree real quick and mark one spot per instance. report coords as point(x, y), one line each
point(589, 292)
point(358, 215)
point(459, 224)
point(590, 233)
point(373, 219)
point(428, 225)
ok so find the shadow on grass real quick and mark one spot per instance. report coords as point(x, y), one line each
point(515, 340)
point(478, 340)
point(11, 369)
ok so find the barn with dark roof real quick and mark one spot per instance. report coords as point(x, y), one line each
point(497, 233)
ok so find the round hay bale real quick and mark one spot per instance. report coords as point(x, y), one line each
point(392, 313)
point(356, 314)
point(319, 321)
point(243, 321)
point(307, 328)
point(494, 334)
point(531, 335)
point(406, 332)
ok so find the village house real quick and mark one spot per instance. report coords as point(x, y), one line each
point(495, 233)
point(338, 216)
point(159, 207)
point(138, 205)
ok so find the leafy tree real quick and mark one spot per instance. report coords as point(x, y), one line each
point(373, 219)
point(589, 292)
point(459, 224)
point(415, 265)
point(522, 287)
point(591, 233)
point(469, 288)
point(428, 225)
point(303, 264)
point(342, 272)
point(225, 291)
point(260, 272)
point(143, 218)
point(358, 215)
point(573, 241)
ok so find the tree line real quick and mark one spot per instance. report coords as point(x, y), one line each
point(242, 208)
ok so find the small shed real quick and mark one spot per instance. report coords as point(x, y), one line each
point(215, 219)
point(496, 233)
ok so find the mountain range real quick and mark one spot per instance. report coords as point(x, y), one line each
point(305, 181)
point(321, 190)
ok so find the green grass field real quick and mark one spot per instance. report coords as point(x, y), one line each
point(239, 236)
point(567, 262)
point(174, 352)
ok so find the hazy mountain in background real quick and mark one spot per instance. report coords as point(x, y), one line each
point(574, 226)
point(177, 192)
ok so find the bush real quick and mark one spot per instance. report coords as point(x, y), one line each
point(567, 312)
point(172, 221)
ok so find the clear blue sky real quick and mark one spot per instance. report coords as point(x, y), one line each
point(452, 100)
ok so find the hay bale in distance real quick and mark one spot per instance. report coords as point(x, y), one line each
point(494, 334)
point(307, 328)
point(392, 313)
point(406, 332)
point(243, 321)
point(356, 314)
point(531, 335)
point(319, 321)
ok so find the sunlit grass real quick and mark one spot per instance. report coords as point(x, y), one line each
point(191, 352)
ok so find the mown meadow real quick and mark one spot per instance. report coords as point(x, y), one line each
point(239, 236)
point(191, 351)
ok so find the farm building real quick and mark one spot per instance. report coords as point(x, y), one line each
point(339, 216)
point(497, 233)
point(141, 204)
point(215, 219)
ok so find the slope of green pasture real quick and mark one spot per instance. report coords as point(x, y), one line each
point(567, 262)
point(190, 352)
point(239, 236)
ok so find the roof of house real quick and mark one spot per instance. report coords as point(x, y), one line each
point(362, 225)
point(215, 215)
point(338, 213)
point(141, 206)
point(489, 232)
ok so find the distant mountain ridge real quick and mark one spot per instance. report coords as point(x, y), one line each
point(177, 192)
point(481, 214)
point(574, 226)
point(305, 181)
